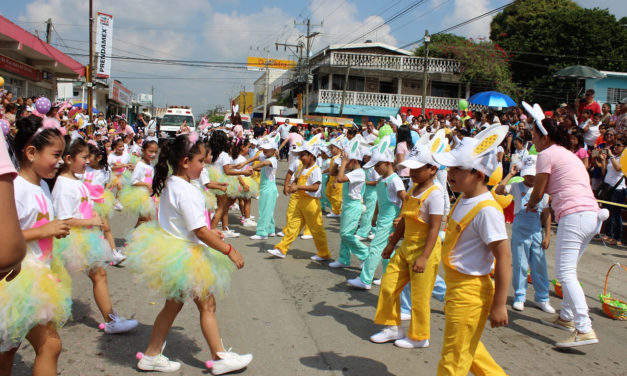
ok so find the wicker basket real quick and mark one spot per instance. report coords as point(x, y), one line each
point(614, 308)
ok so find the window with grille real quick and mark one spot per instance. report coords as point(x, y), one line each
point(615, 94)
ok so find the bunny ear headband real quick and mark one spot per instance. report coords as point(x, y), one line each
point(537, 114)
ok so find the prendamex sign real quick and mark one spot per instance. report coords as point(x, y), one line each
point(104, 42)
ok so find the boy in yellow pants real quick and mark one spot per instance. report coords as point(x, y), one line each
point(334, 189)
point(418, 258)
point(475, 239)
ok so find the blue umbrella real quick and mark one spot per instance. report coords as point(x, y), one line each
point(84, 107)
point(492, 99)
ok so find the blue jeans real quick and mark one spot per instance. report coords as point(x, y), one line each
point(614, 224)
point(439, 289)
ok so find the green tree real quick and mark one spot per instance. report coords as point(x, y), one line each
point(544, 36)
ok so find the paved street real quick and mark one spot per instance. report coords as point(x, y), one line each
point(299, 318)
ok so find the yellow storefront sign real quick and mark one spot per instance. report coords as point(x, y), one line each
point(259, 63)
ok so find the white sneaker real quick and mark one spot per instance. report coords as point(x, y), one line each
point(371, 236)
point(230, 362)
point(234, 207)
point(277, 253)
point(280, 233)
point(408, 343)
point(388, 334)
point(258, 237)
point(118, 206)
point(119, 324)
point(519, 306)
point(337, 264)
point(248, 222)
point(333, 215)
point(357, 283)
point(377, 281)
point(158, 363)
point(405, 316)
point(359, 238)
point(230, 234)
point(272, 235)
point(318, 258)
point(306, 237)
point(545, 306)
point(117, 256)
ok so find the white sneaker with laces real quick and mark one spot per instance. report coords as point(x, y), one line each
point(230, 234)
point(248, 222)
point(376, 281)
point(318, 258)
point(277, 253)
point(337, 265)
point(359, 238)
point(118, 206)
point(519, 306)
point(333, 215)
point(306, 237)
point(357, 283)
point(408, 343)
point(545, 306)
point(258, 237)
point(272, 235)
point(158, 363)
point(280, 233)
point(117, 256)
point(388, 334)
point(405, 316)
point(119, 324)
point(229, 362)
point(371, 236)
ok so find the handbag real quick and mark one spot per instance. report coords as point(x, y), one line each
point(606, 191)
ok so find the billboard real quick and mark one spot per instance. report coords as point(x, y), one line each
point(104, 44)
point(259, 64)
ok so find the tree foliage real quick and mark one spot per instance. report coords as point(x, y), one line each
point(544, 36)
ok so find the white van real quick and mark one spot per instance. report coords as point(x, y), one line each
point(173, 118)
point(246, 123)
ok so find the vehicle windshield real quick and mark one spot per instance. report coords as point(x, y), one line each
point(246, 124)
point(177, 120)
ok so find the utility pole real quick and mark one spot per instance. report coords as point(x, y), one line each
point(348, 69)
point(267, 91)
point(243, 111)
point(152, 102)
point(424, 76)
point(309, 38)
point(299, 48)
point(88, 68)
point(49, 30)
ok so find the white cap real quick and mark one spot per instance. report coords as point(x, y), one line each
point(312, 146)
point(528, 166)
point(381, 153)
point(268, 145)
point(419, 156)
point(338, 142)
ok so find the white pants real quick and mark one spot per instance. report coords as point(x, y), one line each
point(574, 232)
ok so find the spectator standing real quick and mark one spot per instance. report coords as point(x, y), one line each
point(614, 178)
point(284, 131)
point(588, 104)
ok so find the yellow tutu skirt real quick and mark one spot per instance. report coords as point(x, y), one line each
point(104, 208)
point(137, 201)
point(175, 267)
point(83, 249)
point(216, 175)
point(124, 178)
point(211, 202)
point(38, 295)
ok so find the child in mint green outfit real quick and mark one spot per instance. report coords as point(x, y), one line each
point(369, 199)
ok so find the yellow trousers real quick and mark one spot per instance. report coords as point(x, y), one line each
point(307, 210)
point(468, 302)
point(334, 195)
point(291, 206)
point(398, 273)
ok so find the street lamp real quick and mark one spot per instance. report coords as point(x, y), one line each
point(427, 39)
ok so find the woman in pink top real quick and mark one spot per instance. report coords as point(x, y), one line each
point(293, 137)
point(560, 173)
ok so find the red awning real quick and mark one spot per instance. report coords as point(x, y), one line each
point(16, 41)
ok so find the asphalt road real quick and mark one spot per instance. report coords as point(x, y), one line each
point(298, 317)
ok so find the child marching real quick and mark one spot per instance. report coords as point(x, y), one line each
point(136, 197)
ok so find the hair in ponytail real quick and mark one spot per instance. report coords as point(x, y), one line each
point(171, 154)
point(218, 143)
point(30, 134)
point(557, 133)
point(99, 151)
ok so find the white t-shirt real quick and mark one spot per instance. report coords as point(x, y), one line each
point(314, 177)
point(181, 209)
point(433, 205)
point(394, 186)
point(590, 137)
point(369, 137)
point(71, 199)
point(143, 173)
point(222, 160)
point(612, 176)
point(372, 175)
point(119, 159)
point(96, 177)
point(284, 130)
point(34, 209)
point(356, 181)
point(519, 190)
point(204, 177)
point(471, 254)
point(270, 170)
point(293, 166)
point(136, 149)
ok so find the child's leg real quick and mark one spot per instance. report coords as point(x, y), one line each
point(108, 235)
point(225, 213)
point(439, 289)
point(247, 203)
point(162, 326)
point(539, 273)
point(365, 225)
point(98, 277)
point(348, 225)
point(292, 227)
point(222, 201)
point(242, 207)
point(209, 325)
point(421, 287)
point(267, 203)
point(405, 298)
point(392, 283)
point(47, 345)
point(521, 242)
point(381, 235)
point(310, 209)
point(6, 361)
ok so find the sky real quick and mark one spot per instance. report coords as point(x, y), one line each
point(230, 30)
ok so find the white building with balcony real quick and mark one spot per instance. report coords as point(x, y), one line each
point(382, 81)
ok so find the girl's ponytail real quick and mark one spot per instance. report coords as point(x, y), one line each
point(161, 168)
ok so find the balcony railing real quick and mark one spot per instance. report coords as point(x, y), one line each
point(388, 100)
point(389, 62)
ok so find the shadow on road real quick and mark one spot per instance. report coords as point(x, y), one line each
point(348, 365)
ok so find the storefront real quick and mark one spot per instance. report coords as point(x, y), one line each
point(30, 66)
point(120, 99)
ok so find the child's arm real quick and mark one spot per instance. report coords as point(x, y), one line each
point(229, 170)
point(399, 230)
point(286, 183)
point(307, 188)
point(539, 186)
point(401, 194)
point(374, 182)
point(546, 222)
point(214, 240)
point(502, 277)
point(245, 186)
point(75, 222)
point(218, 186)
point(500, 187)
point(341, 177)
point(56, 228)
point(260, 165)
point(248, 161)
point(432, 236)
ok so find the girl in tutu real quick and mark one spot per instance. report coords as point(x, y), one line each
point(136, 197)
point(85, 248)
point(248, 187)
point(209, 188)
point(120, 163)
point(182, 258)
point(37, 302)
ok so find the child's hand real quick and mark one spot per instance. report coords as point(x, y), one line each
point(218, 233)
point(247, 172)
point(420, 264)
point(387, 251)
point(513, 170)
point(245, 187)
point(498, 316)
point(97, 221)
point(57, 228)
point(545, 242)
point(237, 259)
point(396, 221)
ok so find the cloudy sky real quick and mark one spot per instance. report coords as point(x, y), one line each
point(230, 30)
